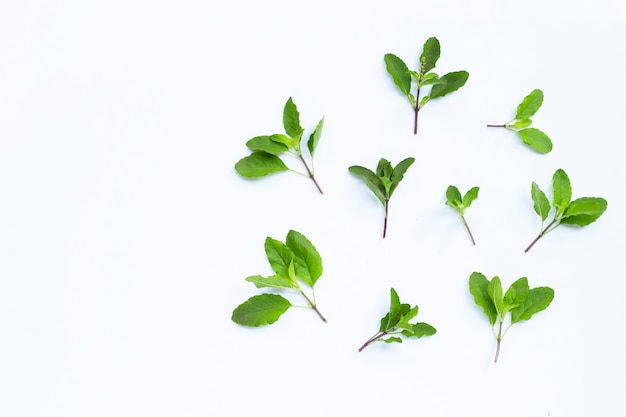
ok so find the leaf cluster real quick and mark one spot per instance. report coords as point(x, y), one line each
point(461, 203)
point(404, 78)
point(265, 160)
point(520, 302)
point(295, 262)
point(384, 181)
point(580, 212)
point(530, 136)
point(396, 323)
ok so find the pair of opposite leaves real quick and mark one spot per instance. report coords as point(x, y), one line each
point(296, 262)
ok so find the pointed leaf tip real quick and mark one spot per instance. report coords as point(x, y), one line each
point(259, 164)
point(453, 81)
point(529, 106)
point(430, 55)
point(260, 310)
point(291, 119)
point(536, 139)
point(399, 73)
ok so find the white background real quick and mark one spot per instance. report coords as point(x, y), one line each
point(126, 234)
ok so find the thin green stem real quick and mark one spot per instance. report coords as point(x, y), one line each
point(498, 339)
point(304, 174)
point(496, 125)
point(468, 230)
point(506, 330)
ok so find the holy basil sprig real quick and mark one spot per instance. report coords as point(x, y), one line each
point(396, 323)
point(531, 136)
point(440, 86)
point(294, 262)
point(579, 212)
point(384, 181)
point(519, 302)
point(264, 159)
point(460, 204)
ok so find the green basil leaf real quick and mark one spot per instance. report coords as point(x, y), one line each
point(274, 281)
point(494, 289)
point(423, 329)
point(430, 55)
point(538, 299)
point(562, 189)
point(307, 260)
point(395, 305)
point(394, 315)
point(283, 139)
point(541, 203)
point(536, 139)
point(315, 137)
point(478, 285)
point(454, 199)
point(384, 169)
point(584, 210)
point(529, 106)
point(453, 81)
point(470, 196)
point(372, 181)
point(403, 323)
point(266, 144)
point(519, 124)
point(398, 173)
point(399, 72)
point(517, 293)
point(279, 256)
point(291, 120)
point(259, 164)
point(260, 309)
point(432, 79)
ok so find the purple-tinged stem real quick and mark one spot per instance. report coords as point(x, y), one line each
point(468, 230)
point(372, 339)
point(386, 215)
point(417, 109)
point(311, 175)
point(313, 306)
point(543, 232)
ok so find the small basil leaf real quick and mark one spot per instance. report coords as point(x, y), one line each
point(536, 139)
point(584, 210)
point(260, 310)
point(259, 164)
